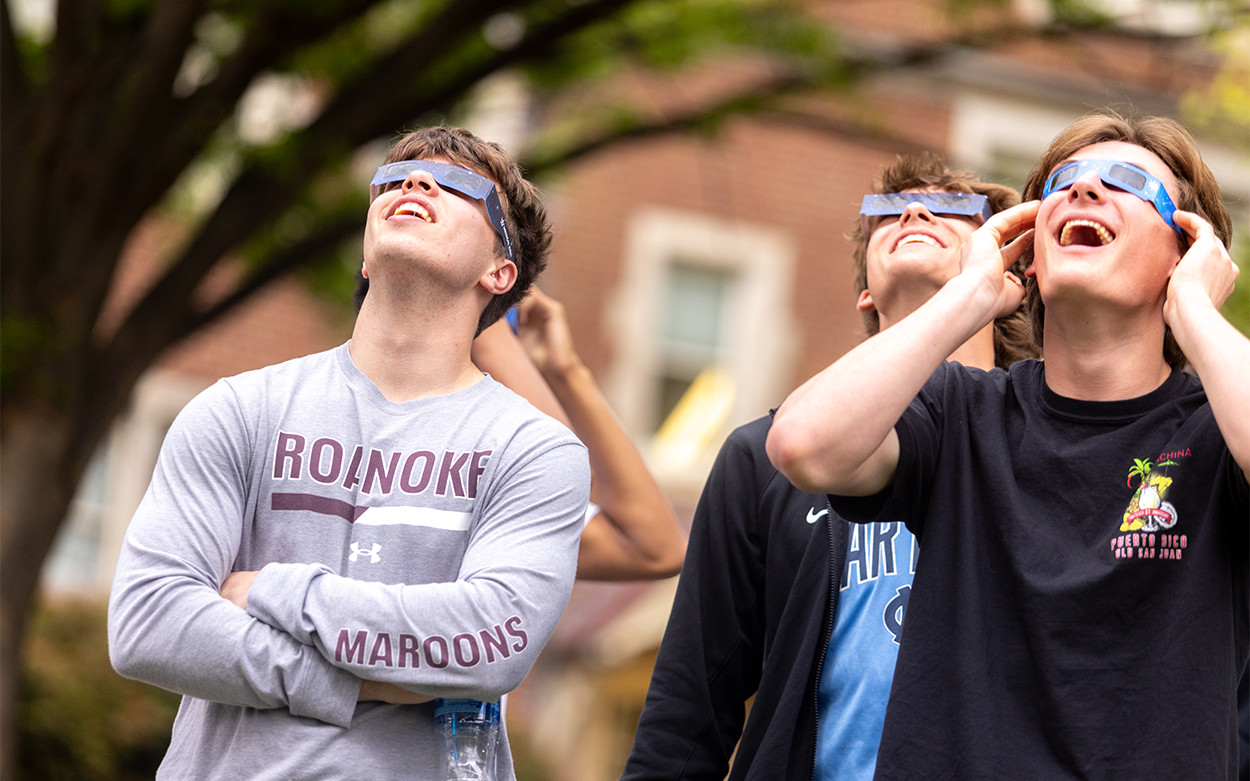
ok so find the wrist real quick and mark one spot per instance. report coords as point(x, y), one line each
point(1185, 307)
point(1188, 298)
point(970, 301)
point(562, 369)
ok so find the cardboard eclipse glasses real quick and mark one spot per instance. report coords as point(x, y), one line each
point(944, 204)
point(1116, 173)
point(452, 177)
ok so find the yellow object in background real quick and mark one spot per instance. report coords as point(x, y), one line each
point(696, 420)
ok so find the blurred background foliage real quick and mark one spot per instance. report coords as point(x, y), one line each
point(1222, 111)
point(79, 720)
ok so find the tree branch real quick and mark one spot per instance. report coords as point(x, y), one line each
point(147, 83)
point(357, 115)
point(184, 320)
point(195, 118)
point(299, 255)
point(757, 102)
point(262, 194)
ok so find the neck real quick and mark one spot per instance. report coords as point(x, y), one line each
point(1104, 359)
point(977, 352)
point(414, 352)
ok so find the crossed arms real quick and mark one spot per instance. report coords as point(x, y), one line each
point(170, 626)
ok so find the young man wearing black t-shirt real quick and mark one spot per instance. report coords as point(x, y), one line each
point(1081, 610)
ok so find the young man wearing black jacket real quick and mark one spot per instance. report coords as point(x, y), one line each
point(756, 611)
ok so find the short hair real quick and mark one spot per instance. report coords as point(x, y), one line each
point(926, 171)
point(522, 205)
point(1197, 190)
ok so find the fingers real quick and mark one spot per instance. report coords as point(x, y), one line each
point(1010, 223)
point(1206, 266)
point(1013, 251)
point(1013, 294)
point(1194, 226)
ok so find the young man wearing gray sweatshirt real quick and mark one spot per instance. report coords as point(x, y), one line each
point(330, 543)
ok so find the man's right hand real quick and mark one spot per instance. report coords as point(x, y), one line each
point(985, 257)
point(376, 691)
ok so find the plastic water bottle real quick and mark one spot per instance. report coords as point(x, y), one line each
point(470, 734)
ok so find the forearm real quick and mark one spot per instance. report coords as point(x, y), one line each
point(475, 636)
point(833, 434)
point(473, 639)
point(636, 535)
point(1220, 355)
point(176, 633)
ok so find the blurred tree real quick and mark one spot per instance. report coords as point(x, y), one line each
point(118, 110)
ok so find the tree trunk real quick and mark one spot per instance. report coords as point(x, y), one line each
point(39, 470)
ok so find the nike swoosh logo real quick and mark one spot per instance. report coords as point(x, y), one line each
point(813, 516)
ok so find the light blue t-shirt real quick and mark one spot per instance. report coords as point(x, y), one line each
point(859, 665)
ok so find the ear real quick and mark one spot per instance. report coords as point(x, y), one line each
point(500, 278)
point(865, 304)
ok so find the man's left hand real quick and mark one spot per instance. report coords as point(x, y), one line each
point(1206, 267)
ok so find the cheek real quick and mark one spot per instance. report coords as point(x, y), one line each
point(876, 244)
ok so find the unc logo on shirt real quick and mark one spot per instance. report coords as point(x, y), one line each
point(1149, 512)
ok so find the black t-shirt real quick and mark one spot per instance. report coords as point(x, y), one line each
point(1081, 610)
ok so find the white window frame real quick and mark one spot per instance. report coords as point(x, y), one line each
point(760, 335)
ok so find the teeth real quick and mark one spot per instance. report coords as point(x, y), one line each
point(1065, 237)
point(410, 209)
point(919, 238)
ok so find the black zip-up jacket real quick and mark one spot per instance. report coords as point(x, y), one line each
point(752, 615)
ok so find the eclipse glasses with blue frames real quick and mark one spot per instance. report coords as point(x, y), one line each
point(894, 204)
point(455, 178)
point(1125, 176)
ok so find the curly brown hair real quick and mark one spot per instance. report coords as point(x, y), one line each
point(522, 204)
point(1013, 340)
point(1197, 189)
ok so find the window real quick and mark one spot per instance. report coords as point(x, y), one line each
point(692, 336)
point(703, 307)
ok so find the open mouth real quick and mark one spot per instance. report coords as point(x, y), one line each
point(918, 238)
point(1085, 233)
point(411, 209)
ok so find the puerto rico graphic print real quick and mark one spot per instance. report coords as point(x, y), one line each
point(1147, 523)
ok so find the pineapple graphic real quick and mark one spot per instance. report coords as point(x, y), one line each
point(1147, 511)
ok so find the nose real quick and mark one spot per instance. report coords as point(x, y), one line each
point(423, 180)
point(916, 211)
point(1088, 186)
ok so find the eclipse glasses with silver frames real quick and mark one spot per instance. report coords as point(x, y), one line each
point(1116, 173)
point(452, 177)
point(944, 204)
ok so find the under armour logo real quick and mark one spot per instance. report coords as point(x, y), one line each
point(374, 558)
